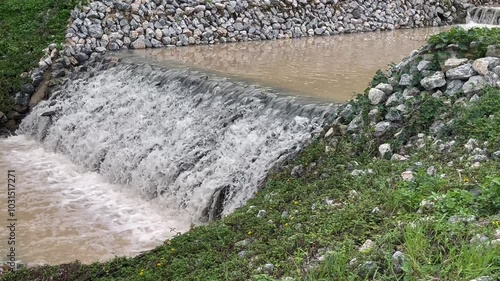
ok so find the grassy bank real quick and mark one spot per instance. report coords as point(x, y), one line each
point(26, 28)
point(350, 214)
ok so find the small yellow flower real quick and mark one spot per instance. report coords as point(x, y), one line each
point(466, 179)
point(172, 250)
point(158, 264)
point(249, 232)
point(286, 224)
point(292, 218)
point(142, 272)
point(296, 202)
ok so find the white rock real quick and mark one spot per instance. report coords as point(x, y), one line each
point(383, 149)
point(367, 246)
point(407, 176)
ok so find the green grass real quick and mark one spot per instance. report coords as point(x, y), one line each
point(26, 28)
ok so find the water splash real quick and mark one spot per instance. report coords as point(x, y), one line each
point(177, 135)
point(487, 16)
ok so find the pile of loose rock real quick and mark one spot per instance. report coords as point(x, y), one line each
point(457, 81)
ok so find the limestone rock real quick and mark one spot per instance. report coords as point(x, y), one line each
point(474, 84)
point(452, 63)
point(376, 96)
point(461, 72)
point(483, 65)
point(435, 81)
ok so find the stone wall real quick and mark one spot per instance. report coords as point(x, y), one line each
point(116, 24)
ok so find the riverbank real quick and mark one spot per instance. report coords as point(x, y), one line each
point(403, 184)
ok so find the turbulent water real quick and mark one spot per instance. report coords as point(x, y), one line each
point(65, 213)
point(484, 15)
point(177, 136)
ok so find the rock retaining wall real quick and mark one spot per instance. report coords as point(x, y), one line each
point(113, 25)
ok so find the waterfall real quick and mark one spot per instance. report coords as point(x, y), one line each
point(484, 15)
point(189, 140)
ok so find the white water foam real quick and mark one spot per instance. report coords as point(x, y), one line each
point(65, 213)
point(174, 135)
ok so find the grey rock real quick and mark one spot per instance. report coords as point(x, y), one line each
point(462, 219)
point(484, 278)
point(382, 128)
point(95, 31)
point(398, 259)
point(405, 80)
point(268, 267)
point(262, 214)
point(424, 65)
point(461, 72)
point(384, 87)
point(493, 51)
point(297, 171)
point(347, 112)
point(242, 243)
point(478, 158)
point(319, 31)
point(479, 239)
point(384, 149)
point(27, 89)
point(453, 63)
point(368, 268)
point(188, 10)
point(474, 85)
point(454, 87)
point(200, 8)
point(284, 214)
point(139, 43)
point(437, 80)
point(356, 124)
point(81, 57)
point(483, 65)
point(242, 254)
point(394, 114)
point(367, 246)
point(357, 173)
point(156, 44)
point(394, 99)
point(431, 171)
point(376, 96)
point(496, 155)
point(113, 46)
point(374, 115)
point(3, 118)
point(100, 49)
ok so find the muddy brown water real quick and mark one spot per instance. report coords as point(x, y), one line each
point(65, 213)
point(328, 68)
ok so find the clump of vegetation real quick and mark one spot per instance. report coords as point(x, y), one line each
point(26, 28)
point(470, 43)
